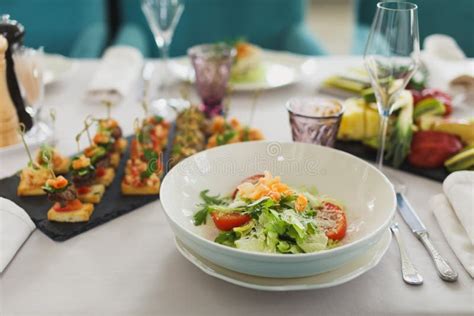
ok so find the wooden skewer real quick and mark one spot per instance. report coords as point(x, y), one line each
point(145, 107)
point(108, 105)
point(136, 127)
point(21, 131)
point(52, 114)
point(78, 139)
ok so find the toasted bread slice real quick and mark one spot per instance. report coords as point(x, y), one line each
point(63, 168)
point(81, 215)
point(94, 195)
point(121, 145)
point(142, 190)
point(32, 180)
point(25, 190)
point(115, 159)
point(107, 178)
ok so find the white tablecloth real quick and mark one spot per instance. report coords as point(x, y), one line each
point(130, 265)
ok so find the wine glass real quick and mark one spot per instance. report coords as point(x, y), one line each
point(29, 72)
point(391, 57)
point(162, 17)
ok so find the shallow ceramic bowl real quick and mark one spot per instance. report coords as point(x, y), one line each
point(367, 194)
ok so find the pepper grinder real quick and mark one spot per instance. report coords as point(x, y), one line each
point(8, 118)
point(14, 33)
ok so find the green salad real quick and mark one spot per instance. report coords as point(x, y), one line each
point(265, 215)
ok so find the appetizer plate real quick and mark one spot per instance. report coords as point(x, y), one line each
point(281, 69)
point(367, 194)
point(56, 67)
point(343, 274)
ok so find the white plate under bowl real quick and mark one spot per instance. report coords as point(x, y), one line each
point(367, 194)
point(281, 69)
point(343, 274)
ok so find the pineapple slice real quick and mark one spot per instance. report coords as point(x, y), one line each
point(352, 121)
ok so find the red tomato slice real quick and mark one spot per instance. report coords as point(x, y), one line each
point(70, 206)
point(83, 190)
point(332, 220)
point(252, 179)
point(227, 221)
point(100, 172)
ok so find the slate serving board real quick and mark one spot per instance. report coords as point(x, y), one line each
point(364, 152)
point(112, 205)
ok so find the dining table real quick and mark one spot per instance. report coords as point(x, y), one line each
point(130, 265)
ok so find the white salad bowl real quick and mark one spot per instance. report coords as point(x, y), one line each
point(367, 194)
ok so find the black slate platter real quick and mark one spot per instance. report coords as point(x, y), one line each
point(364, 152)
point(113, 203)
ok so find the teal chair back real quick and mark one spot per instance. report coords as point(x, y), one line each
point(273, 24)
point(75, 28)
point(451, 17)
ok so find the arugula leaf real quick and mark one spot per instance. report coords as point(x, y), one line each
point(227, 238)
point(200, 217)
point(209, 199)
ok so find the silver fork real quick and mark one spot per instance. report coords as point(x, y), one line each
point(409, 273)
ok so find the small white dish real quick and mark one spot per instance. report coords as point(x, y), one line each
point(343, 274)
point(56, 67)
point(368, 195)
point(281, 69)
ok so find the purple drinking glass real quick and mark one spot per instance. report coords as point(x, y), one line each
point(315, 120)
point(212, 63)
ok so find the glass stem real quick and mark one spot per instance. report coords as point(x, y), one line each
point(166, 71)
point(382, 139)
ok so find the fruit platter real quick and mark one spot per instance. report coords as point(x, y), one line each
point(424, 135)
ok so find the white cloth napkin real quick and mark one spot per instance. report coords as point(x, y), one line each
point(117, 72)
point(15, 228)
point(454, 212)
point(445, 60)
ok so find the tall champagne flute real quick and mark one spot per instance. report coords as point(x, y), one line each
point(162, 17)
point(391, 58)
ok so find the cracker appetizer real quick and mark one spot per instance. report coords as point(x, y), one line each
point(157, 130)
point(144, 168)
point(60, 163)
point(85, 180)
point(67, 206)
point(112, 126)
point(223, 132)
point(32, 179)
point(140, 179)
point(102, 162)
point(34, 175)
point(109, 136)
point(190, 134)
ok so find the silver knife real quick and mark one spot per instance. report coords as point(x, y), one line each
point(411, 218)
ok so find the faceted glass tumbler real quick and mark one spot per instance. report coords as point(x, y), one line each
point(212, 64)
point(314, 120)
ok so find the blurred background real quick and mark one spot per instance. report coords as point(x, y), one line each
point(84, 28)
